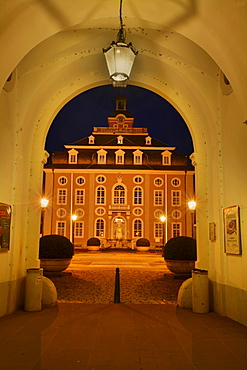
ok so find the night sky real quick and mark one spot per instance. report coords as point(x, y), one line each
point(91, 108)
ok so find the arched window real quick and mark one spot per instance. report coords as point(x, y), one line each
point(119, 195)
point(137, 228)
point(100, 195)
point(100, 227)
point(137, 195)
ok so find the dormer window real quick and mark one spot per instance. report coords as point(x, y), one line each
point(119, 156)
point(148, 140)
point(166, 157)
point(73, 154)
point(101, 156)
point(91, 139)
point(138, 156)
point(120, 139)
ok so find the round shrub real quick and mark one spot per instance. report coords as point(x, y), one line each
point(143, 242)
point(55, 246)
point(180, 248)
point(93, 242)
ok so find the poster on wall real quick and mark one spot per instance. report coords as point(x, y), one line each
point(232, 230)
point(5, 218)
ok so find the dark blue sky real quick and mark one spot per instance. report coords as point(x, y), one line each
point(91, 108)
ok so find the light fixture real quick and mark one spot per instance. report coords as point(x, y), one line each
point(192, 205)
point(44, 202)
point(73, 217)
point(120, 57)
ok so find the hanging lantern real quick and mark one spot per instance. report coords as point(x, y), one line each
point(120, 57)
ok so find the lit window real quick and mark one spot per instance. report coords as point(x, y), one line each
point(137, 228)
point(62, 196)
point(120, 139)
point(73, 154)
point(79, 196)
point(79, 229)
point(176, 229)
point(158, 197)
point(100, 227)
point(119, 156)
point(102, 156)
point(91, 139)
point(166, 157)
point(176, 197)
point(137, 195)
point(158, 230)
point(138, 156)
point(100, 195)
point(119, 195)
point(61, 228)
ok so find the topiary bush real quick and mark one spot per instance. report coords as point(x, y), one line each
point(180, 248)
point(55, 246)
point(93, 242)
point(143, 242)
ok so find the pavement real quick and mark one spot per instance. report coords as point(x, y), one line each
point(75, 334)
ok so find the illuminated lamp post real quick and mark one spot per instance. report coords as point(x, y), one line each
point(44, 203)
point(192, 208)
point(163, 220)
point(120, 57)
point(73, 218)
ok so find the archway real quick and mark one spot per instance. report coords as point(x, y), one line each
point(58, 61)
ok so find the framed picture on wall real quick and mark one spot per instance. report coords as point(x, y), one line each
point(5, 218)
point(232, 230)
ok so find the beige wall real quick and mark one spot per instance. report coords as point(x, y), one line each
point(55, 51)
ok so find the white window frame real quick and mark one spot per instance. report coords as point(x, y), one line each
point(158, 197)
point(137, 221)
point(100, 198)
point(79, 196)
point(166, 158)
point(101, 156)
point(176, 198)
point(158, 179)
point(100, 232)
point(78, 180)
point(119, 198)
point(138, 156)
point(176, 179)
point(138, 197)
point(91, 139)
point(148, 140)
point(119, 156)
point(176, 229)
point(79, 229)
point(61, 196)
point(73, 156)
point(158, 230)
point(120, 139)
point(62, 180)
point(61, 228)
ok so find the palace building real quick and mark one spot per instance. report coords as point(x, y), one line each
point(118, 182)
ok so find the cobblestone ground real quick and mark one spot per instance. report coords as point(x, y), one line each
point(136, 286)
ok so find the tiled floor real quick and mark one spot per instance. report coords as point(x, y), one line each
point(108, 336)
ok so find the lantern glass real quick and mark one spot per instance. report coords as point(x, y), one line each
point(119, 58)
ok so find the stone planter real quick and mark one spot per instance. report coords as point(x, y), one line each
point(54, 264)
point(93, 248)
point(142, 248)
point(180, 267)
